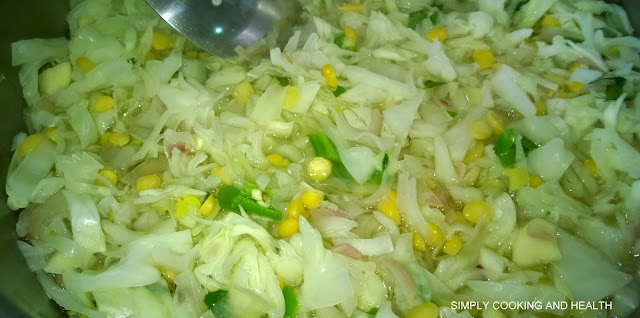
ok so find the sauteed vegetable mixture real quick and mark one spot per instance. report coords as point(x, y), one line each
point(396, 158)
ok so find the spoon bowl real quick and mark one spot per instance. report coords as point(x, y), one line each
point(220, 29)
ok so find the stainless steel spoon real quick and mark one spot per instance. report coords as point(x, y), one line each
point(220, 29)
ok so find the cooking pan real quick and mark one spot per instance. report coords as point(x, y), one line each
point(20, 293)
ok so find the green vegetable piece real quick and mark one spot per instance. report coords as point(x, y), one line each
point(431, 84)
point(226, 198)
point(415, 18)
point(290, 302)
point(339, 91)
point(385, 161)
point(505, 147)
point(252, 206)
point(508, 157)
point(345, 43)
point(213, 299)
point(434, 18)
point(323, 147)
point(506, 140)
point(528, 145)
point(373, 311)
point(376, 176)
point(231, 198)
point(248, 187)
point(284, 81)
point(452, 114)
point(616, 89)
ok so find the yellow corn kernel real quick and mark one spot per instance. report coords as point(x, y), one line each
point(119, 139)
point(191, 200)
point(388, 207)
point(496, 122)
point(243, 92)
point(476, 151)
point(439, 33)
point(330, 76)
point(207, 206)
point(549, 21)
point(453, 245)
point(590, 164)
point(352, 7)
point(518, 178)
point(575, 87)
point(480, 129)
point(535, 181)
point(351, 34)
point(108, 174)
point(104, 139)
point(296, 209)
point(319, 168)
point(277, 160)
point(103, 103)
point(435, 233)
point(424, 310)
point(311, 199)
point(475, 210)
point(29, 144)
point(288, 227)
point(151, 181)
point(291, 97)
point(418, 243)
point(49, 133)
point(186, 205)
point(222, 174)
point(136, 142)
point(484, 58)
point(541, 107)
point(85, 64)
point(161, 41)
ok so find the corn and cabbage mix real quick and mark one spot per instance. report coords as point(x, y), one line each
point(396, 158)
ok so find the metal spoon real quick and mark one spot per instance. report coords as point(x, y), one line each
point(220, 29)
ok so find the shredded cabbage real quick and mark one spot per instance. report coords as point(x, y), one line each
point(394, 156)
